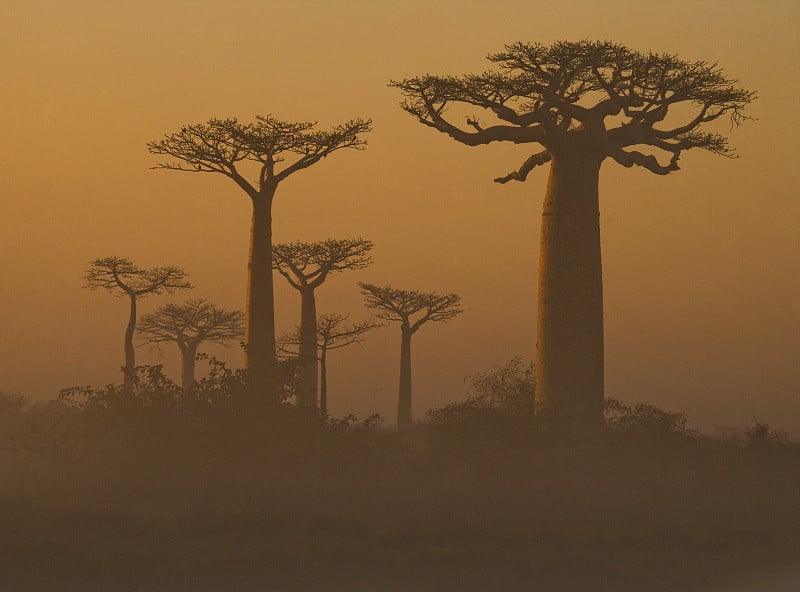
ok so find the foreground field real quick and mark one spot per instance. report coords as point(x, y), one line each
point(152, 501)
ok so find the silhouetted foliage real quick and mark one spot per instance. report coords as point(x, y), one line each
point(644, 421)
point(498, 408)
point(278, 149)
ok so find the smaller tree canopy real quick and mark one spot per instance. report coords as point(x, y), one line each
point(402, 305)
point(122, 276)
point(333, 332)
point(309, 264)
point(278, 147)
point(193, 322)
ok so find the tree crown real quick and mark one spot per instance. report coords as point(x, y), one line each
point(559, 95)
point(121, 275)
point(278, 147)
point(400, 305)
point(333, 332)
point(195, 321)
point(309, 264)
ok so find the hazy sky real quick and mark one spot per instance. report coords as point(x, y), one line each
point(702, 290)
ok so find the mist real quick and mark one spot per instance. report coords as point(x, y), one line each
point(281, 309)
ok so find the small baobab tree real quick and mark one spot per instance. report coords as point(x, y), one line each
point(277, 149)
point(332, 332)
point(411, 309)
point(306, 266)
point(584, 103)
point(124, 278)
point(188, 325)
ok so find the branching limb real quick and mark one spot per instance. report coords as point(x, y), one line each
point(522, 173)
point(633, 157)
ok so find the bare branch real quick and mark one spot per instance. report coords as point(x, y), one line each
point(333, 332)
point(522, 173)
point(216, 147)
point(401, 305)
point(309, 264)
point(121, 275)
point(192, 323)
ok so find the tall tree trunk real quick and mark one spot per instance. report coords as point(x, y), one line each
point(189, 354)
point(569, 349)
point(260, 359)
point(404, 398)
point(323, 384)
point(308, 348)
point(130, 354)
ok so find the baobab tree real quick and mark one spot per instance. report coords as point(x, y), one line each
point(188, 325)
point(277, 149)
point(124, 278)
point(411, 309)
point(583, 103)
point(306, 266)
point(332, 332)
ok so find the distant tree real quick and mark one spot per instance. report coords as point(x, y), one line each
point(188, 325)
point(124, 278)
point(411, 309)
point(221, 146)
point(332, 332)
point(306, 266)
point(582, 102)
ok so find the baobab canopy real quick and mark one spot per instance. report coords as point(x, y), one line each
point(543, 94)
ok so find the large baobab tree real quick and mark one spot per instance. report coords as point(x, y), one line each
point(583, 103)
point(124, 278)
point(188, 325)
point(411, 309)
point(275, 149)
point(306, 266)
point(332, 332)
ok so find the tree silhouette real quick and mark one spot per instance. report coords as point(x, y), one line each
point(188, 325)
point(278, 149)
point(123, 277)
point(411, 309)
point(332, 332)
point(306, 266)
point(583, 102)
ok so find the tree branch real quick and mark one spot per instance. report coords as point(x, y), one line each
point(522, 173)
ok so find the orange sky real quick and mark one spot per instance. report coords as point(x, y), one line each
point(702, 288)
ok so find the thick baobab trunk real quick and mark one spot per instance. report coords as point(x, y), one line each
point(323, 384)
point(308, 349)
point(130, 354)
point(404, 398)
point(569, 349)
point(189, 354)
point(260, 358)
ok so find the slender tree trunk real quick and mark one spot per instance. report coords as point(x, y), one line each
point(404, 398)
point(189, 354)
point(130, 354)
point(308, 348)
point(323, 384)
point(260, 359)
point(569, 349)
